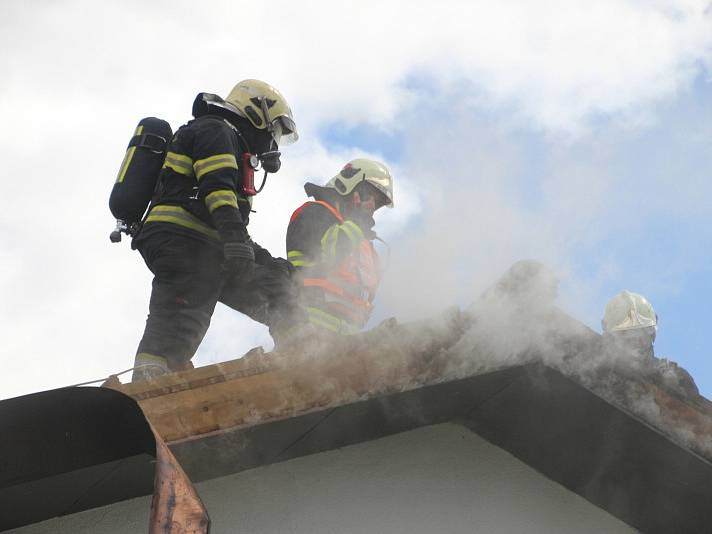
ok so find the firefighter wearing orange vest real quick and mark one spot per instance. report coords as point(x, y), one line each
point(329, 242)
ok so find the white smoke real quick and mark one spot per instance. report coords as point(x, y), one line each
point(74, 86)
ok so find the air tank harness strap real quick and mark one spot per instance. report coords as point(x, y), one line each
point(154, 143)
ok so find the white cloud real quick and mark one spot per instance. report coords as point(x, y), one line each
point(77, 76)
point(556, 62)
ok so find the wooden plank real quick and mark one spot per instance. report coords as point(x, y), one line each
point(271, 386)
point(389, 359)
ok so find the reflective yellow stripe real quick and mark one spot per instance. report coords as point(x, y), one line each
point(143, 358)
point(297, 258)
point(293, 256)
point(127, 158)
point(213, 163)
point(179, 163)
point(352, 230)
point(349, 233)
point(179, 216)
point(302, 263)
point(331, 237)
point(328, 241)
point(222, 197)
point(320, 318)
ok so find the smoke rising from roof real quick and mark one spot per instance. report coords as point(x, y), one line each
point(513, 102)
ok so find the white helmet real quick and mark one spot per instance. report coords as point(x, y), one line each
point(363, 170)
point(628, 311)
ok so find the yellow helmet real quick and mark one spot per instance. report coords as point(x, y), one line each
point(265, 108)
point(628, 311)
point(363, 170)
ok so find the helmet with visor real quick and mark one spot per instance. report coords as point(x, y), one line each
point(266, 109)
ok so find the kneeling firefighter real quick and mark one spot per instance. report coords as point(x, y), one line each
point(330, 243)
point(194, 237)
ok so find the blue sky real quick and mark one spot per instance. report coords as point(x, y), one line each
point(576, 133)
point(655, 236)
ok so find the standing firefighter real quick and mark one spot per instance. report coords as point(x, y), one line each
point(630, 326)
point(329, 242)
point(194, 238)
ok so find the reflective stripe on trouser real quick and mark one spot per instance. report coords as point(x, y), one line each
point(145, 358)
point(188, 282)
point(181, 217)
point(148, 366)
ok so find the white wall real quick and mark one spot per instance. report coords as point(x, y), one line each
point(437, 479)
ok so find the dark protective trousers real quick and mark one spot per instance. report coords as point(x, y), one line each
point(189, 281)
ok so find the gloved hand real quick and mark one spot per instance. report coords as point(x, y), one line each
point(276, 279)
point(262, 255)
point(285, 265)
point(239, 258)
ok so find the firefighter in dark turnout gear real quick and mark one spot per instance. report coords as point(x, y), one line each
point(195, 239)
point(329, 242)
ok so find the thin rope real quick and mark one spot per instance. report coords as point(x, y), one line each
point(142, 366)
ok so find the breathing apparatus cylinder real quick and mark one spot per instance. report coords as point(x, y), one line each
point(138, 174)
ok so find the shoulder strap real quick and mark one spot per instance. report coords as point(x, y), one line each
point(328, 206)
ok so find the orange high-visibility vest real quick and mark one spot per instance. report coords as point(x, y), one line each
point(339, 297)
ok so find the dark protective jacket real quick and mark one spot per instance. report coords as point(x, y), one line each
point(197, 192)
point(337, 266)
